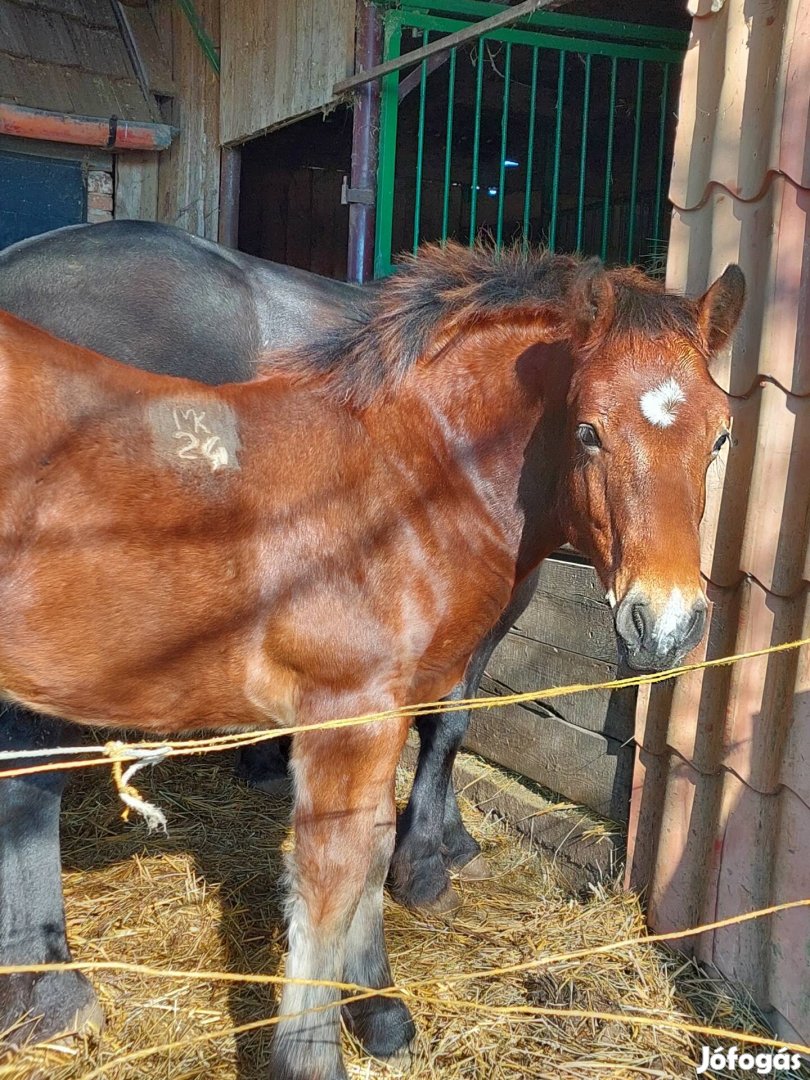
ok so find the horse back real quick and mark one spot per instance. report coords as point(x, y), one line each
point(162, 300)
point(170, 555)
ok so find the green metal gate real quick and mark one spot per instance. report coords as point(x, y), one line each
point(557, 130)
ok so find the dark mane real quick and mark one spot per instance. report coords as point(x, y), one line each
point(643, 306)
point(395, 321)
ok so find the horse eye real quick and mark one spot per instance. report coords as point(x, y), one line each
point(587, 435)
point(721, 442)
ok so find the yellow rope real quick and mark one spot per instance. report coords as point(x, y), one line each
point(119, 751)
point(406, 990)
point(409, 986)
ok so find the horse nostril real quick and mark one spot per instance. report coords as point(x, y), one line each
point(637, 615)
point(696, 624)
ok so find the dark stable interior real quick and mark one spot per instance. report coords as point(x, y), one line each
point(290, 205)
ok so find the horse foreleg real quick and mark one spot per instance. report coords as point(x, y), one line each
point(32, 916)
point(383, 1025)
point(342, 794)
point(430, 834)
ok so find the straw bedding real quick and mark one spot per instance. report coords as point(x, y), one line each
point(208, 896)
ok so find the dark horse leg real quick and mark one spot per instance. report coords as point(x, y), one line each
point(32, 914)
point(430, 834)
point(264, 766)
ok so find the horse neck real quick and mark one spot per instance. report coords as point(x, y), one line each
point(497, 397)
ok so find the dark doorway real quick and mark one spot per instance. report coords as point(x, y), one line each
point(290, 208)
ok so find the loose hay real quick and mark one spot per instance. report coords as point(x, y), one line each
point(208, 897)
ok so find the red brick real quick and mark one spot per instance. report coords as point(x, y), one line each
point(100, 202)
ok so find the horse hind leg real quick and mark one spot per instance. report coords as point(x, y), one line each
point(419, 877)
point(265, 766)
point(431, 837)
point(35, 1007)
point(341, 780)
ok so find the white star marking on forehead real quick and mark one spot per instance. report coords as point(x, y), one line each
point(660, 405)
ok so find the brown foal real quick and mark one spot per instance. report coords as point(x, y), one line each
point(336, 538)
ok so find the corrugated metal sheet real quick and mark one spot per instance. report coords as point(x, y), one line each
point(720, 818)
point(69, 56)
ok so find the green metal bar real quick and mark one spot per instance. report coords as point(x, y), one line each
point(659, 174)
point(551, 41)
point(527, 199)
point(609, 163)
point(386, 169)
point(507, 74)
point(448, 149)
point(583, 152)
point(200, 33)
point(577, 24)
point(420, 150)
point(631, 229)
point(479, 86)
point(555, 184)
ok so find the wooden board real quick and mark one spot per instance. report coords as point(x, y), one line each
point(188, 172)
point(520, 664)
point(280, 60)
point(577, 745)
point(584, 766)
point(570, 612)
point(136, 186)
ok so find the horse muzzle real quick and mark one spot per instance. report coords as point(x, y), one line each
point(655, 635)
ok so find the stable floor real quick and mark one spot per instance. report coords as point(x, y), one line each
point(208, 897)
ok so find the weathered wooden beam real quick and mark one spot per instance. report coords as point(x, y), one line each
point(569, 835)
point(230, 175)
point(450, 41)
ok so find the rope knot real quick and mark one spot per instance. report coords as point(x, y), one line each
point(132, 799)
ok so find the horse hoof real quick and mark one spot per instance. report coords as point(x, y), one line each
point(444, 904)
point(477, 869)
point(37, 1008)
point(402, 1060)
point(383, 1026)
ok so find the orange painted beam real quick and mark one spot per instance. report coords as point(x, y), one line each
point(109, 132)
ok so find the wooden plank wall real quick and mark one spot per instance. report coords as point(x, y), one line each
point(136, 186)
point(575, 745)
point(280, 60)
point(188, 172)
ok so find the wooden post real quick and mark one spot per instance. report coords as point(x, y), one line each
point(229, 179)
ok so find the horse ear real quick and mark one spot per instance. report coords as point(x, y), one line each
point(593, 301)
point(720, 306)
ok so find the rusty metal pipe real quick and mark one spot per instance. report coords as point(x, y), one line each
point(109, 132)
point(365, 141)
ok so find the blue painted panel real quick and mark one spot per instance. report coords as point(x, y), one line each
point(38, 194)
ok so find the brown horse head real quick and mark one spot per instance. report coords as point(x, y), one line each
point(645, 421)
point(607, 376)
